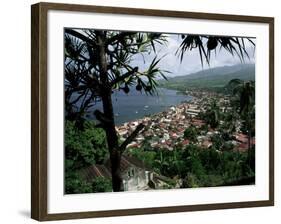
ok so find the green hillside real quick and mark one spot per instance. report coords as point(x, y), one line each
point(212, 79)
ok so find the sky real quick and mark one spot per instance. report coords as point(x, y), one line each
point(191, 62)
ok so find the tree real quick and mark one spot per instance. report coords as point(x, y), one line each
point(98, 62)
point(217, 141)
point(212, 114)
point(245, 91)
point(162, 162)
point(83, 147)
point(230, 122)
point(191, 134)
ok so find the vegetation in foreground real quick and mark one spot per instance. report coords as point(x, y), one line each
point(195, 166)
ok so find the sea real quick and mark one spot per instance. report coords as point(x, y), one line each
point(136, 105)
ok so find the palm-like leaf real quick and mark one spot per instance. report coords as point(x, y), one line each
point(207, 44)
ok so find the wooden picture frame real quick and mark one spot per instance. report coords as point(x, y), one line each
point(39, 109)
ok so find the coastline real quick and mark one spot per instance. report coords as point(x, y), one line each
point(137, 105)
point(166, 129)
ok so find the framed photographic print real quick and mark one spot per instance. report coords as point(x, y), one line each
point(138, 111)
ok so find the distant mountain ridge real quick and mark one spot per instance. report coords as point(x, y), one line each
point(217, 77)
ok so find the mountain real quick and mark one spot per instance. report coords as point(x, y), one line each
point(213, 78)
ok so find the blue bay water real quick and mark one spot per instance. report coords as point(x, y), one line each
point(136, 105)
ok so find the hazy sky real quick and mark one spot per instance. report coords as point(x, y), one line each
point(191, 61)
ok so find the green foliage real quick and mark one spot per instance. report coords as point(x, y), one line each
point(83, 147)
point(217, 141)
point(148, 157)
point(190, 181)
point(101, 184)
point(74, 184)
point(169, 163)
point(248, 122)
point(191, 134)
point(204, 129)
point(198, 167)
point(227, 146)
point(245, 90)
point(170, 184)
point(212, 114)
point(209, 167)
point(229, 124)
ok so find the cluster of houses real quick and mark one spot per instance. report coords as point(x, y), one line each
point(165, 130)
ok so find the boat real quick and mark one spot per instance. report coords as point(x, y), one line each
point(146, 107)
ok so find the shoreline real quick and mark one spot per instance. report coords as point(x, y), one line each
point(136, 105)
point(166, 127)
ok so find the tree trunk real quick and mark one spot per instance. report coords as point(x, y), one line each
point(112, 141)
point(111, 134)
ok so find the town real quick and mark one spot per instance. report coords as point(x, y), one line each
point(165, 130)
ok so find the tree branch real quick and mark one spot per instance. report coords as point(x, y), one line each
point(79, 35)
point(101, 117)
point(131, 137)
point(123, 77)
point(119, 36)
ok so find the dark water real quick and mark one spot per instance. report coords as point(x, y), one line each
point(136, 105)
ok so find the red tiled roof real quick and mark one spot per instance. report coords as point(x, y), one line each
point(197, 122)
point(243, 141)
point(181, 130)
point(97, 170)
point(126, 162)
point(241, 138)
point(253, 141)
point(185, 142)
point(243, 147)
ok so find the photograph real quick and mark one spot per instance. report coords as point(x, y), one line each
point(157, 111)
